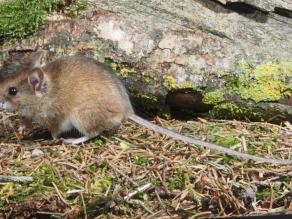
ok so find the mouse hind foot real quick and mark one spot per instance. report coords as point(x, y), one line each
point(76, 140)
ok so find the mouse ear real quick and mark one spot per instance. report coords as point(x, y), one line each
point(35, 79)
point(35, 60)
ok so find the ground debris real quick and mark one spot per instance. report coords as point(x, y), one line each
point(140, 174)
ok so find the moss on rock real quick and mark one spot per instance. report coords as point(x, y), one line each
point(214, 97)
point(266, 82)
point(233, 111)
point(149, 77)
point(121, 69)
point(151, 104)
point(169, 82)
point(20, 19)
point(188, 84)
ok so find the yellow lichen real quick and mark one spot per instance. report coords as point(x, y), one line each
point(169, 82)
point(214, 97)
point(124, 72)
point(266, 82)
point(188, 84)
point(64, 50)
point(149, 76)
point(120, 68)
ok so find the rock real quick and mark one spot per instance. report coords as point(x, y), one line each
point(266, 5)
point(245, 193)
point(160, 46)
point(37, 153)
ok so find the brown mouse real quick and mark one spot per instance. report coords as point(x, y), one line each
point(71, 92)
point(79, 92)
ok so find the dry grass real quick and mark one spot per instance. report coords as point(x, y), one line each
point(137, 173)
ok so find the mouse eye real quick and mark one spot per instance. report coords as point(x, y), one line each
point(12, 91)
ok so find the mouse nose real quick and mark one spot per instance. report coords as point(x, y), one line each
point(2, 99)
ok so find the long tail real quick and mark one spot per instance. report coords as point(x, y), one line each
point(189, 140)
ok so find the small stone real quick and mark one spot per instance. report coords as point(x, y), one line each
point(37, 153)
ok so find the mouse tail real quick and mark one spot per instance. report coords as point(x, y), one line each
point(189, 140)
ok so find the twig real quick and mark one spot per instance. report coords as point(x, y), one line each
point(59, 194)
point(16, 179)
point(121, 173)
point(138, 202)
point(154, 215)
point(75, 191)
point(140, 189)
point(84, 205)
point(50, 213)
point(162, 194)
point(271, 196)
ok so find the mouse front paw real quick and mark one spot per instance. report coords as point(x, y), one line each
point(22, 130)
point(25, 124)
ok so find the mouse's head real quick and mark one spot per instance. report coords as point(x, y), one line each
point(23, 87)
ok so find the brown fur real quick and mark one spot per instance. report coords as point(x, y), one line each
point(79, 89)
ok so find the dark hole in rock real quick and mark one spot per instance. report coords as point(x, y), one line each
point(241, 8)
point(248, 11)
point(283, 12)
point(185, 103)
point(214, 6)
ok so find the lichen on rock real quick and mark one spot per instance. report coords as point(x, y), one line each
point(120, 68)
point(214, 97)
point(188, 84)
point(234, 111)
point(169, 82)
point(265, 82)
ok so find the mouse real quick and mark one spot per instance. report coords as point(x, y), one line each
point(81, 93)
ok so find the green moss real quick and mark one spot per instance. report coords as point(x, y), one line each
point(225, 138)
point(141, 161)
point(121, 69)
point(17, 163)
point(9, 42)
point(149, 77)
point(266, 82)
point(233, 111)
point(214, 97)
point(188, 84)
point(151, 104)
point(154, 182)
point(228, 139)
point(98, 142)
point(76, 8)
point(268, 193)
point(23, 18)
point(42, 186)
point(100, 184)
point(177, 181)
point(223, 72)
point(17, 192)
point(47, 174)
point(169, 82)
